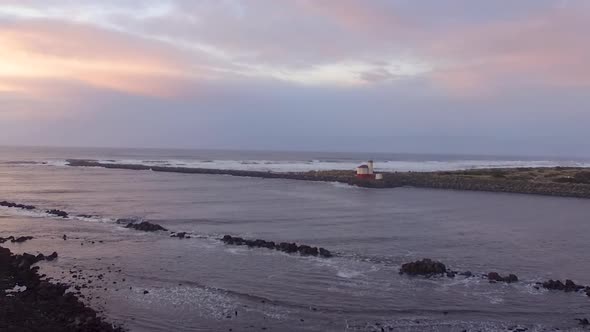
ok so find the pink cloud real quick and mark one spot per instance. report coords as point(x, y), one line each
point(548, 50)
point(41, 50)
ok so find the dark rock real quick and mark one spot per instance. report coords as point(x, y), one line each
point(10, 238)
point(325, 253)
point(181, 235)
point(307, 250)
point(146, 227)
point(17, 205)
point(58, 213)
point(425, 266)
point(291, 248)
point(19, 239)
point(51, 257)
point(22, 239)
point(43, 306)
point(568, 286)
point(466, 274)
point(583, 321)
point(495, 277)
point(554, 285)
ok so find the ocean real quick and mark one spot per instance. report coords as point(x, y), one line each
point(152, 282)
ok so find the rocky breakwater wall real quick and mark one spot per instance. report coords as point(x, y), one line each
point(464, 181)
point(308, 176)
point(538, 181)
point(291, 248)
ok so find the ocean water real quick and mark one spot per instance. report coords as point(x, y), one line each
point(200, 284)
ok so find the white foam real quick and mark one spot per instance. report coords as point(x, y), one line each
point(22, 212)
point(95, 219)
point(349, 274)
point(16, 289)
point(320, 165)
point(56, 163)
point(345, 186)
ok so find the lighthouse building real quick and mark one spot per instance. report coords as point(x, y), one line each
point(367, 172)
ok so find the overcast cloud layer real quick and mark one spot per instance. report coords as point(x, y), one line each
point(460, 76)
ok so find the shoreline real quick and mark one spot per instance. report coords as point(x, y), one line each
point(31, 302)
point(547, 181)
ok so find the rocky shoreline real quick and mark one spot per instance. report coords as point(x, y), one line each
point(549, 181)
point(430, 268)
point(30, 302)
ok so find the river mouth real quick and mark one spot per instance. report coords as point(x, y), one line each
point(201, 284)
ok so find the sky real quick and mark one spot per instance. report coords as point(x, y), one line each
point(431, 76)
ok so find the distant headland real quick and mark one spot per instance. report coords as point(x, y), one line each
point(549, 181)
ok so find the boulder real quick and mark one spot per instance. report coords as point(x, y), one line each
point(325, 253)
point(146, 227)
point(51, 257)
point(180, 235)
point(288, 247)
point(495, 277)
point(22, 239)
point(58, 213)
point(10, 238)
point(425, 266)
point(568, 286)
point(307, 250)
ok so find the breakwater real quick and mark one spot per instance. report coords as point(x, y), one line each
point(550, 181)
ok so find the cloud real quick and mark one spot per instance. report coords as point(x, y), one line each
point(296, 66)
point(49, 49)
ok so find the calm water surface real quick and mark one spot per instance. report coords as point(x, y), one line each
point(199, 284)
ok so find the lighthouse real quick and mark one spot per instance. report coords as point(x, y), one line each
point(367, 172)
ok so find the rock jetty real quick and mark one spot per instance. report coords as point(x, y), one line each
point(291, 248)
point(552, 181)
